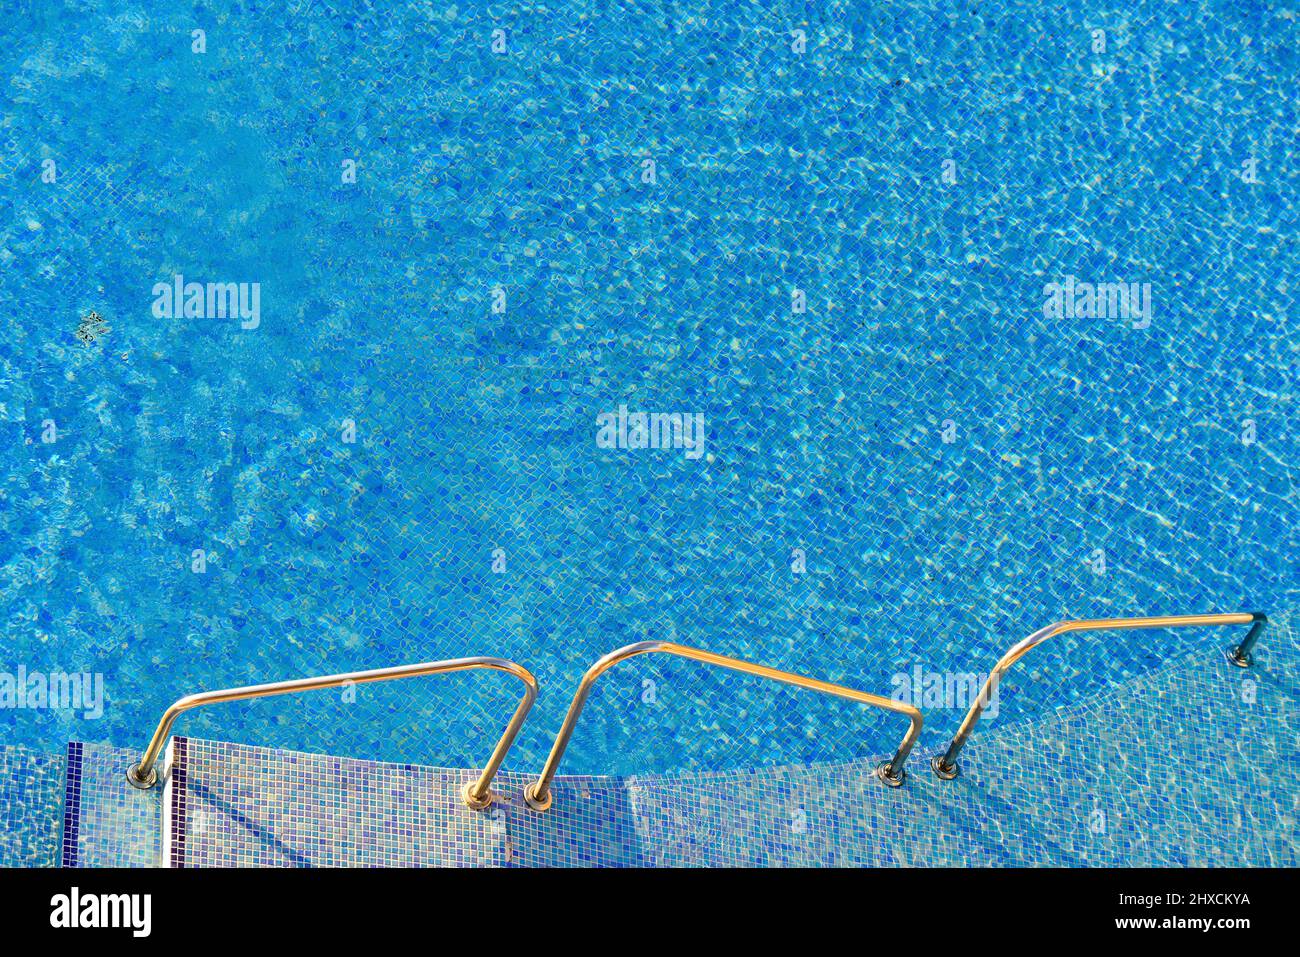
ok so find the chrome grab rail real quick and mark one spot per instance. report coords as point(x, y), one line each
point(476, 794)
point(538, 794)
point(945, 765)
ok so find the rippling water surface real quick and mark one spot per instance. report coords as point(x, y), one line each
point(838, 258)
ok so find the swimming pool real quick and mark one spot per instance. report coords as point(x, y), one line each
point(469, 245)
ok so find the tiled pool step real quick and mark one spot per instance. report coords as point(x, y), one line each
point(1148, 773)
point(108, 823)
point(230, 804)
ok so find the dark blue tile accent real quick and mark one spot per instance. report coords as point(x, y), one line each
point(72, 805)
point(179, 793)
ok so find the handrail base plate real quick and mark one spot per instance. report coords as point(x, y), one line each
point(945, 772)
point(1237, 658)
point(472, 802)
point(531, 800)
point(884, 771)
point(142, 783)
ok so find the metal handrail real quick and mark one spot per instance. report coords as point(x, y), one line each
point(538, 794)
point(945, 765)
point(477, 794)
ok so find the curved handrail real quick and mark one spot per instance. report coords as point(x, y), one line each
point(945, 765)
point(476, 794)
point(538, 794)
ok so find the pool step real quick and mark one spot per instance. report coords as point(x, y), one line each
point(234, 805)
point(1148, 773)
point(106, 822)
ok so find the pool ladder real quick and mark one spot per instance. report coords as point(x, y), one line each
point(477, 794)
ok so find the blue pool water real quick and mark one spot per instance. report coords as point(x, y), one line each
point(954, 465)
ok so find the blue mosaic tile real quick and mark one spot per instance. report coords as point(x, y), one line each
point(254, 807)
point(72, 804)
point(116, 825)
point(31, 807)
point(176, 804)
point(591, 824)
